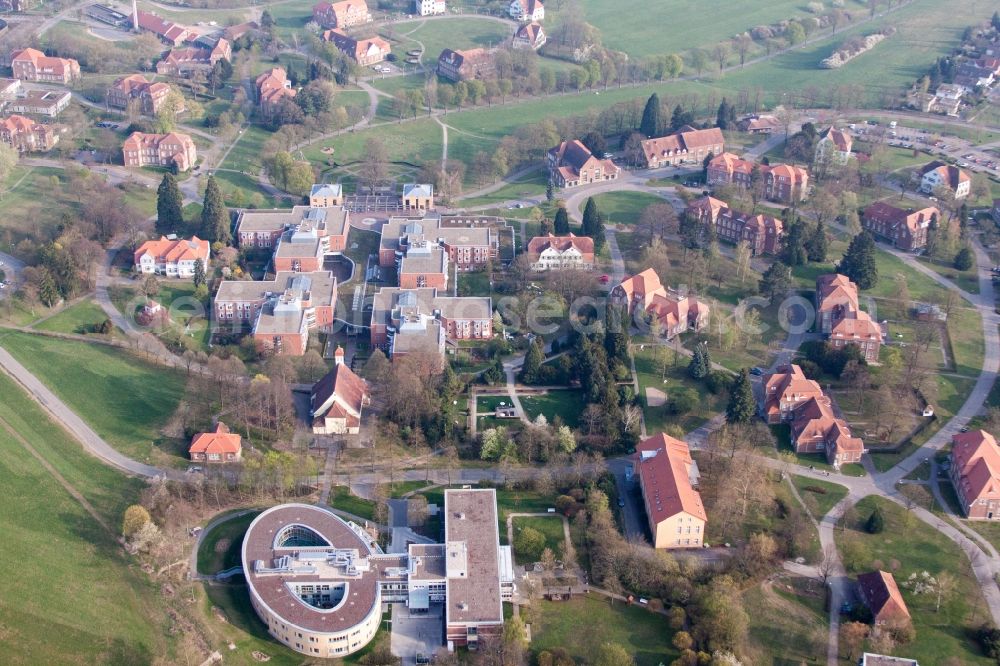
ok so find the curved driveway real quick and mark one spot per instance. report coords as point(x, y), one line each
point(62, 414)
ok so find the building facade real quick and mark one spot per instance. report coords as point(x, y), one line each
point(466, 65)
point(906, 229)
point(938, 175)
point(526, 11)
point(172, 257)
point(975, 474)
point(561, 252)
point(365, 52)
point(685, 146)
point(342, 14)
point(26, 135)
point(763, 233)
point(169, 150)
point(649, 304)
point(187, 61)
point(318, 582)
point(33, 65)
point(571, 164)
point(841, 318)
point(216, 447)
point(668, 478)
point(150, 96)
point(273, 87)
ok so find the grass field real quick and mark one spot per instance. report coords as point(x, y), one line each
point(25, 208)
point(124, 399)
point(583, 624)
point(532, 184)
point(245, 155)
point(220, 549)
point(567, 405)
point(910, 547)
point(818, 496)
point(625, 207)
point(788, 624)
point(550, 526)
point(69, 593)
point(640, 28)
point(80, 318)
point(463, 33)
point(342, 498)
point(647, 366)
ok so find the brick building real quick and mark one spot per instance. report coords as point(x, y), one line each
point(173, 149)
point(841, 318)
point(762, 232)
point(685, 146)
point(26, 135)
point(150, 96)
point(342, 14)
point(571, 164)
point(33, 65)
point(906, 229)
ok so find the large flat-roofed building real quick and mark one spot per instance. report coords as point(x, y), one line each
point(319, 582)
point(42, 102)
point(278, 313)
point(409, 320)
point(265, 228)
point(474, 606)
point(470, 242)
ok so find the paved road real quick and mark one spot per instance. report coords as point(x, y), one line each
point(90, 440)
point(12, 268)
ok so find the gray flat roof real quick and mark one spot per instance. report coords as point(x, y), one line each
point(322, 286)
point(471, 517)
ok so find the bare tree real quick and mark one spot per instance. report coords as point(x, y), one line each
point(721, 55)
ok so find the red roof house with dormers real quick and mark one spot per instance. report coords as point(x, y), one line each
point(975, 474)
point(218, 446)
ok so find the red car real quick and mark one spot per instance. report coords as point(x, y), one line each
point(604, 279)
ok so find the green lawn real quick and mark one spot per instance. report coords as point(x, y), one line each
point(647, 366)
point(532, 184)
point(474, 283)
point(909, 546)
point(642, 29)
point(123, 398)
point(220, 548)
point(70, 594)
point(26, 206)
point(818, 496)
point(464, 33)
point(567, 405)
point(80, 318)
point(625, 207)
point(246, 153)
point(583, 624)
point(965, 329)
point(342, 498)
point(550, 527)
point(787, 626)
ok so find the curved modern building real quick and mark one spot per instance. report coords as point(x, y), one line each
point(314, 579)
point(320, 583)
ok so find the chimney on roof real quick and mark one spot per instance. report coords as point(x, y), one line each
point(338, 356)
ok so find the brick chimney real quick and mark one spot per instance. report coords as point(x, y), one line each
point(338, 356)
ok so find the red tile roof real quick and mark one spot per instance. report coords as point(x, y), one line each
point(663, 465)
point(881, 594)
point(976, 458)
point(219, 440)
point(172, 251)
point(585, 244)
point(788, 384)
point(340, 393)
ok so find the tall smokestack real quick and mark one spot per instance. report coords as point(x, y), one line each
point(135, 16)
